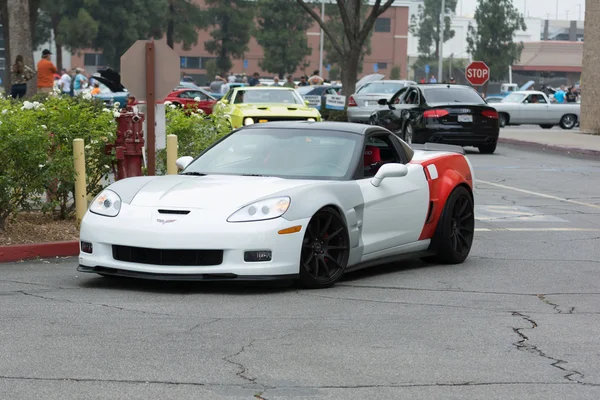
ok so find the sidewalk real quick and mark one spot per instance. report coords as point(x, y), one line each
point(552, 139)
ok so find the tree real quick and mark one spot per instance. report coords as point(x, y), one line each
point(590, 79)
point(355, 33)
point(491, 40)
point(50, 14)
point(396, 72)
point(427, 27)
point(183, 18)
point(282, 38)
point(20, 42)
point(232, 22)
point(111, 26)
point(334, 21)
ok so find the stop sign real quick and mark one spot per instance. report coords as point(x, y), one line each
point(477, 73)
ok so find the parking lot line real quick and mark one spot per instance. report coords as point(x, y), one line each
point(536, 230)
point(547, 196)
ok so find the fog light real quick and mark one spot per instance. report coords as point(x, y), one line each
point(248, 121)
point(87, 247)
point(257, 256)
point(311, 120)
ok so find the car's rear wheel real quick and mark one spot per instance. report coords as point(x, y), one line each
point(546, 126)
point(502, 119)
point(568, 121)
point(455, 231)
point(325, 250)
point(487, 148)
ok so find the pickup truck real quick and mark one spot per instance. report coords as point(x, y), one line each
point(534, 108)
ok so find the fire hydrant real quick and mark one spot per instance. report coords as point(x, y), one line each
point(129, 144)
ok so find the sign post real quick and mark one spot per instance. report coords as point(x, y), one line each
point(477, 73)
point(150, 71)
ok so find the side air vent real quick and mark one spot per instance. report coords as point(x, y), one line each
point(176, 212)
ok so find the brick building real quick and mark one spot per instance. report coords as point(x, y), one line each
point(389, 45)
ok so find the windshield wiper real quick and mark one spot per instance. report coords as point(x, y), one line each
point(194, 173)
point(252, 175)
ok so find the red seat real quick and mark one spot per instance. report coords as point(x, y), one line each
point(372, 155)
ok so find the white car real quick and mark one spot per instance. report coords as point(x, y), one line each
point(533, 107)
point(281, 200)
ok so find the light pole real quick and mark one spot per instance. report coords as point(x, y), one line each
point(322, 39)
point(579, 11)
point(441, 44)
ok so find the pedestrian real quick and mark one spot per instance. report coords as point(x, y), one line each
point(432, 79)
point(571, 95)
point(80, 81)
point(225, 88)
point(452, 81)
point(254, 79)
point(45, 72)
point(289, 82)
point(64, 83)
point(21, 73)
point(231, 78)
point(276, 81)
point(560, 94)
point(315, 79)
point(96, 89)
point(303, 81)
point(215, 86)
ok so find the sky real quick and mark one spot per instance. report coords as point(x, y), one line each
point(535, 8)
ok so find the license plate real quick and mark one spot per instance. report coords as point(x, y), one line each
point(465, 118)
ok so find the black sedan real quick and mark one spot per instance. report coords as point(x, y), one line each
point(440, 113)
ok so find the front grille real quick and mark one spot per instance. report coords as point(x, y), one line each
point(143, 255)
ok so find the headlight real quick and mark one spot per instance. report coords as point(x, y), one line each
point(311, 119)
point(107, 203)
point(248, 121)
point(261, 210)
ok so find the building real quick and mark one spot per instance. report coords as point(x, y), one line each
point(389, 45)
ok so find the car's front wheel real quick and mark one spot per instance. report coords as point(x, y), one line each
point(325, 250)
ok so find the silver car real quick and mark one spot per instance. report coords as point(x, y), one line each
point(535, 108)
point(362, 103)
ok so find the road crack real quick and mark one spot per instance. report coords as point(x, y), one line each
point(523, 345)
point(556, 307)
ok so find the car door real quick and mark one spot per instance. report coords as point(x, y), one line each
point(394, 213)
point(534, 110)
point(389, 116)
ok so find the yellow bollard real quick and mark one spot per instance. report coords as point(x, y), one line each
point(80, 187)
point(171, 154)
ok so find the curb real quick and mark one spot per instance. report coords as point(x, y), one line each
point(563, 149)
point(38, 250)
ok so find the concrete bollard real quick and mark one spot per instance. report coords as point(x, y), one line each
point(171, 154)
point(80, 179)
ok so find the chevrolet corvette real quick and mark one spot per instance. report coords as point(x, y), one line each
point(307, 201)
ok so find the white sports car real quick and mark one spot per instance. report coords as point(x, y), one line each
point(281, 200)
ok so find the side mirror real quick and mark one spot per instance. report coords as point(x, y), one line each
point(382, 102)
point(183, 162)
point(307, 102)
point(389, 171)
point(225, 102)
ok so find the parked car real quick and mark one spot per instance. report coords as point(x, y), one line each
point(362, 103)
point(314, 92)
point(249, 105)
point(111, 89)
point(192, 97)
point(440, 113)
point(535, 108)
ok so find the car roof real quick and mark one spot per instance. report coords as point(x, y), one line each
point(306, 126)
point(263, 88)
point(440, 85)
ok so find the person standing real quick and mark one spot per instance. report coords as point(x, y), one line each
point(21, 73)
point(289, 82)
point(65, 82)
point(276, 81)
point(315, 79)
point(559, 96)
point(79, 82)
point(254, 80)
point(45, 72)
point(571, 95)
point(303, 81)
point(432, 79)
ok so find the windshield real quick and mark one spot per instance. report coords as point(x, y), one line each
point(381, 87)
point(305, 90)
point(267, 96)
point(452, 95)
point(290, 153)
point(514, 98)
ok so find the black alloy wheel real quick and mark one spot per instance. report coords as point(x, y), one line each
point(325, 250)
point(456, 228)
point(487, 148)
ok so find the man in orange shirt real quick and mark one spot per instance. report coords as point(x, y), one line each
point(45, 73)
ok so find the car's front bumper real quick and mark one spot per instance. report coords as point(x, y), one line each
point(138, 228)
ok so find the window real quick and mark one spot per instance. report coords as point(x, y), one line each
point(190, 62)
point(452, 95)
point(93, 59)
point(382, 25)
point(379, 151)
point(381, 65)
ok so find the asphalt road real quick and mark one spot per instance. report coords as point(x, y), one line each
point(519, 319)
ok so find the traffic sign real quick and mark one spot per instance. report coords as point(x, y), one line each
point(245, 64)
point(427, 68)
point(375, 67)
point(328, 67)
point(477, 73)
point(166, 70)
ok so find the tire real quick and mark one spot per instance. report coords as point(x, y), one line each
point(568, 121)
point(408, 133)
point(503, 120)
point(325, 250)
point(547, 126)
point(487, 148)
point(452, 246)
point(178, 105)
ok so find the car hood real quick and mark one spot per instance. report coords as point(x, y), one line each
point(211, 192)
point(276, 109)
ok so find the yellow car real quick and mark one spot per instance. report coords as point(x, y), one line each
point(252, 105)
